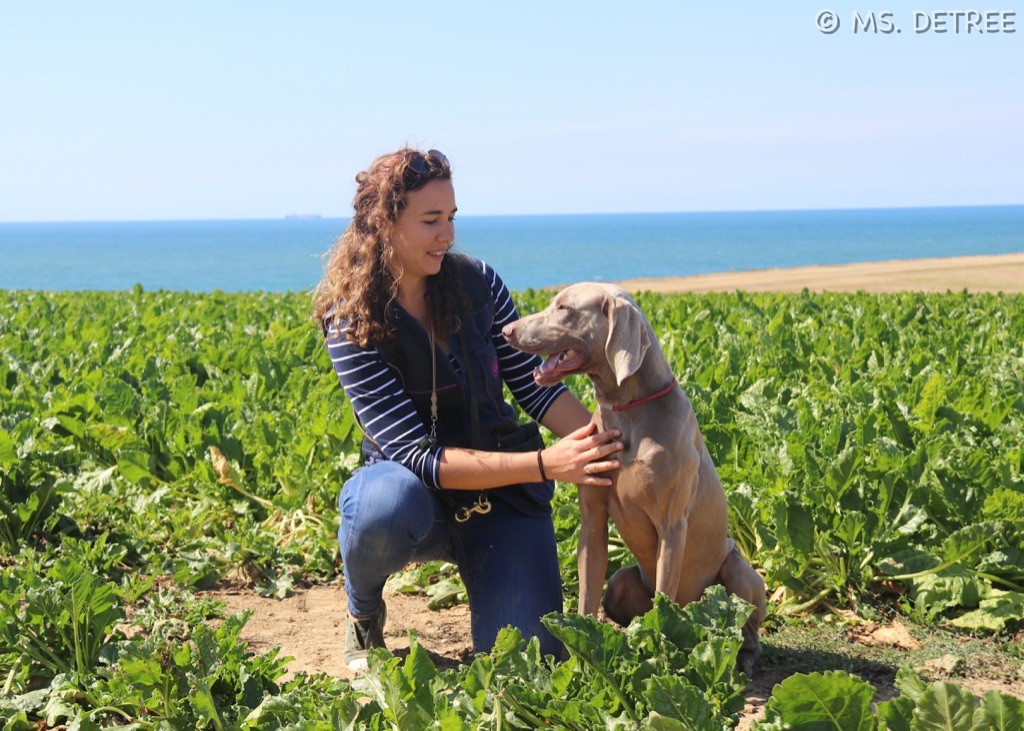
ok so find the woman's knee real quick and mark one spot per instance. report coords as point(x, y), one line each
point(385, 503)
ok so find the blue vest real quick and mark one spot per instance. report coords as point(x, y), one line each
point(409, 355)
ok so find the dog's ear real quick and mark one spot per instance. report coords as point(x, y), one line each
point(628, 340)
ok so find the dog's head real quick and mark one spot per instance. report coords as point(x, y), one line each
point(588, 328)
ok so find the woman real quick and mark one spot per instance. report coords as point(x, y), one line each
point(414, 333)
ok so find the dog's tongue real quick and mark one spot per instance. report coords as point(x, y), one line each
point(557, 365)
point(550, 366)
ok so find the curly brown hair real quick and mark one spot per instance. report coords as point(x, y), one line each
point(359, 283)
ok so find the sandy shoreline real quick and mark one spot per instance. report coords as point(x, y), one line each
point(1001, 273)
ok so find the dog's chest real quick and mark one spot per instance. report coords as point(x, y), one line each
point(643, 460)
point(647, 443)
point(650, 460)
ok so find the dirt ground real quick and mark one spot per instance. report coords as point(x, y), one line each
point(309, 626)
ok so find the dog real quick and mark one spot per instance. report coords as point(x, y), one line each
point(666, 499)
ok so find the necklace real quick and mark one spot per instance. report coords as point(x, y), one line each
point(433, 390)
point(430, 442)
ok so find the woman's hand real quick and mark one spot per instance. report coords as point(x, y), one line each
point(581, 456)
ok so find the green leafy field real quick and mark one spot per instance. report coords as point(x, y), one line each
point(153, 443)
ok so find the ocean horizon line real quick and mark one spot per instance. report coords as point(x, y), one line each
point(914, 274)
point(528, 251)
point(302, 217)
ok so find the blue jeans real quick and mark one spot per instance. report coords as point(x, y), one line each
point(508, 561)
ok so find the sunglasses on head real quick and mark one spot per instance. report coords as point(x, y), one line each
point(420, 163)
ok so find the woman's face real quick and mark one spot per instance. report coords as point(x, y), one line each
point(424, 230)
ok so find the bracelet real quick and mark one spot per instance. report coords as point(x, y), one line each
point(540, 464)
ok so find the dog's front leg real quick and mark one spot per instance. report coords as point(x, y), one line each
point(671, 524)
point(592, 552)
point(671, 544)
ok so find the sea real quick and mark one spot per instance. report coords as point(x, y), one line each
point(536, 251)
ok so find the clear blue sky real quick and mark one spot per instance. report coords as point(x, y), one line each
point(184, 110)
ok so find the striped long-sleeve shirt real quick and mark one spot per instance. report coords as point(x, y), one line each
point(388, 415)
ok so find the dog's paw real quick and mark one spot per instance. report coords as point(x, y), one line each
point(747, 658)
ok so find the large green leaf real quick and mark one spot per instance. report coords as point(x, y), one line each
point(993, 612)
point(897, 714)
point(8, 451)
point(673, 697)
point(969, 541)
point(944, 707)
point(999, 712)
point(826, 701)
